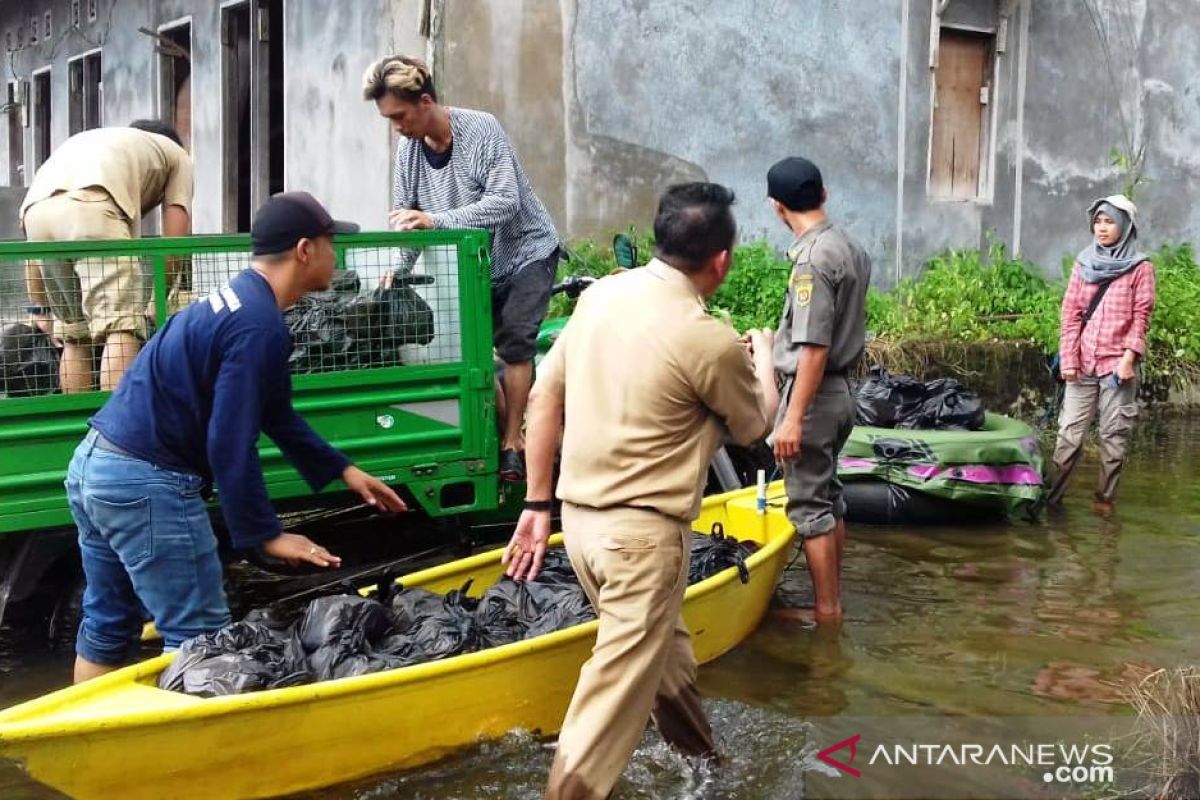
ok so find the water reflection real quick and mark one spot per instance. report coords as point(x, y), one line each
point(1037, 620)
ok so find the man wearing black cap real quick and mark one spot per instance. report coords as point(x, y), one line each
point(188, 414)
point(821, 337)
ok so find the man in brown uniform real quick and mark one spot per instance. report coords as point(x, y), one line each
point(643, 384)
point(820, 339)
point(97, 185)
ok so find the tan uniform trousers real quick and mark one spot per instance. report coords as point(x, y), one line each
point(90, 297)
point(1118, 412)
point(633, 564)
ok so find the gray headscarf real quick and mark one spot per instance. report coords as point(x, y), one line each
point(1098, 263)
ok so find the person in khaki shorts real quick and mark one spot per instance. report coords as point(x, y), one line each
point(97, 185)
point(821, 336)
point(642, 385)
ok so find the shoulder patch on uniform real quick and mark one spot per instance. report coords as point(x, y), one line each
point(802, 288)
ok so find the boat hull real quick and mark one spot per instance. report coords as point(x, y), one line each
point(121, 736)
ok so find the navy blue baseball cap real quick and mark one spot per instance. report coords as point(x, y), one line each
point(288, 217)
point(796, 183)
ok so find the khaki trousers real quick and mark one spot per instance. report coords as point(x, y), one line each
point(1118, 412)
point(90, 297)
point(633, 564)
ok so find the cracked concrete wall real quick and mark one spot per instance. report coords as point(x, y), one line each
point(608, 102)
point(336, 145)
point(651, 92)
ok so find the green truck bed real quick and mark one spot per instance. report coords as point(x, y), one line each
point(419, 415)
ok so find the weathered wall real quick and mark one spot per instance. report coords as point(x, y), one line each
point(608, 102)
point(649, 92)
point(336, 145)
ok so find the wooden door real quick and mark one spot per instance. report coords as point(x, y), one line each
point(958, 114)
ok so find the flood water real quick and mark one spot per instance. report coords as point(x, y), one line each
point(1021, 628)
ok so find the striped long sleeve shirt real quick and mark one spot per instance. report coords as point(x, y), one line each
point(482, 186)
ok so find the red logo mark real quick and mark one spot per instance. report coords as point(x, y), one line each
point(833, 762)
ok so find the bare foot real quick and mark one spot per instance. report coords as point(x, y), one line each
point(1103, 508)
point(809, 617)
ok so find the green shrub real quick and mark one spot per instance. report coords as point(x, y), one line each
point(960, 296)
point(752, 294)
point(1173, 344)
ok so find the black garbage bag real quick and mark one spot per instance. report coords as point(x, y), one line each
point(242, 657)
point(561, 606)
point(389, 318)
point(505, 613)
point(322, 337)
point(948, 406)
point(28, 362)
point(898, 401)
point(345, 635)
point(407, 607)
point(716, 552)
point(883, 399)
point(338, 634)
point(556, 568)
point(449, 631)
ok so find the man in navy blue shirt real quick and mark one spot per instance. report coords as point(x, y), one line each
point(188, 413)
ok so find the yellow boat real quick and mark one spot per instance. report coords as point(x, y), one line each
point(122, 736)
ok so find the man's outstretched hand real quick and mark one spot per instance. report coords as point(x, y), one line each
point(374, 492)
point(296, 550)
point(525, 551)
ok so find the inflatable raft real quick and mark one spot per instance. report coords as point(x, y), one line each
point(937, 477)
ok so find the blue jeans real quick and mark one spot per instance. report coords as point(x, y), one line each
point(146, 542)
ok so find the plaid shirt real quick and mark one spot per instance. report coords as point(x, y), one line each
point(1119, 324)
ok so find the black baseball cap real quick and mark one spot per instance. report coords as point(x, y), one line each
point(288, 217)
point(796, 183)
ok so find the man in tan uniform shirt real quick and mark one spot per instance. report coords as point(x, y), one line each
point(97, 185)
point(643, 384)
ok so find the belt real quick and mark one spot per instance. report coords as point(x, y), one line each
point(97, 439)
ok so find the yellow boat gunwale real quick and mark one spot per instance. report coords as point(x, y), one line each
point(24, 722)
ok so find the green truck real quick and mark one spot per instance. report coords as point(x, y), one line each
point(399, 379)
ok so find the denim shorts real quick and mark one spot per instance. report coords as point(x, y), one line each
point(147, 546)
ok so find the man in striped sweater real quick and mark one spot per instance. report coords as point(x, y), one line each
point(455, 168)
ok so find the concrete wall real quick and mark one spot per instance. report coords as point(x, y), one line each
point(609, 102)
point(648, 92)
point(336, 145)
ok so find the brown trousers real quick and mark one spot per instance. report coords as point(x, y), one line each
point(633, 564)
point(1118, 412)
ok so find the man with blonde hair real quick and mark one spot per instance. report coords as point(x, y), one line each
point(455, 168)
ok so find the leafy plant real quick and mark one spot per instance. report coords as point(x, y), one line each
point(961, 297)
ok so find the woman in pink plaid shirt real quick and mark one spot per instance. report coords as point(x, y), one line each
point(1100, 351)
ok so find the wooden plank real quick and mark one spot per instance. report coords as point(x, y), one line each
point(958, 114)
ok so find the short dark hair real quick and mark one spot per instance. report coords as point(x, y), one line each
point(694, 222)
point(159, 127)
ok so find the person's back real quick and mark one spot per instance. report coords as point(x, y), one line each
point(162, 409)
point(189, 412)
point(643, 357)
point(641, 382)
point(136, 167)
point(97, 185)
